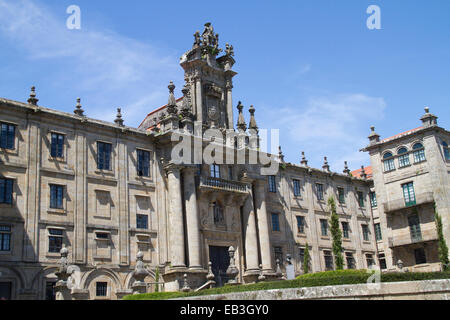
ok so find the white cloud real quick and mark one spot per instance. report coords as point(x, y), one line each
point(102, 66)
point(333, 126)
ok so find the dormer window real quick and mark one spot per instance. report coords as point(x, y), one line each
point(419, 153)
point(403, 157)
point(388, 160)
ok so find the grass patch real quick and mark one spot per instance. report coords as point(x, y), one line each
point(327, 278)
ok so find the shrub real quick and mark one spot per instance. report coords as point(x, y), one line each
point(336, 234)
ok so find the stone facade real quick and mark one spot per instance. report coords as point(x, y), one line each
point(109, 193)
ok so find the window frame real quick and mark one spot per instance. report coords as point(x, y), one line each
point(361, 199)
point(446, 150)
point(415, 230)
point(300, 224)
point(378, 232)
point(319, 192)
point(272, 184)
point(403, 157)
point(143, 163)
point(373, 199)
point(275, 222)
point(6, 191)
point(296, 187)
point(60, 190)
point(409, 194)
point(345, 230)
point(104, 158)
point(8, 140)
point(139, 217)
point(5, 237)
point(350, 260)
point(341, 195)
point(388, 162)
point(52, 237)
point(365, 232)
point(101, 291)
point(419, 153)
point(214, 171)
point(324, 227)
point(328, 260)
point(56, 145)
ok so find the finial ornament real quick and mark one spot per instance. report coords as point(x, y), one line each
point(363, 173)
point(32, 100)
point(197, 40)
point(304, 162)
point(119, 120)
point(241, 125)
point(172, 103)
point(261, 277)
point(210, 275)
point(325, 166)
point(186, 287)
point(280, 154)
point(229, 50)
point(232, 270)
point(78, 109)
point(346, 169)
point(252, 124)
point(427, 110)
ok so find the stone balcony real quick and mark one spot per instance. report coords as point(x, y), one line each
point(399, 204)
point(404, 240)
point(217, 184)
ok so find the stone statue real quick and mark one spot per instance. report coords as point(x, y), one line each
point(229, 50)
point(197, 41)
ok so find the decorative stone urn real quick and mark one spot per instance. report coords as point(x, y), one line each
point(139, 274)
point(232, 270)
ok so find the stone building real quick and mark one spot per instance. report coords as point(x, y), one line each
point(410, 175)
point(106, 191)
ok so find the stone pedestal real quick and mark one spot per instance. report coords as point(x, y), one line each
point(62, 291)
point(139, 287)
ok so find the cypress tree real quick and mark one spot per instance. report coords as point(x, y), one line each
point(336, 235)
point(442, 247)
point(306, 260)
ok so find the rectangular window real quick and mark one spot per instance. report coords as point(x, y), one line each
point(142, 221)
point(104, 156)
point(328, 260)
point(6, 191)
point(143, 165)
point(57, 146)
point(419, 156)
point(324, 227)
point(101, 289)
point(420, 256)
point(382, 261)
point(414, 228)
point(389, 165)
point(278, 254)
point(5, 238)
point(361, 199)
point(365, 230)
point(300, 224)
point(378, 234)
point(272, 184)
point(102, 235)
point(350, 260)
point(373, 199)
point(408, 193)
point(403, 160)
point(215, 171)
point(7, 135)
point(319, 191)
point(56, 196)
point(370, 261)
point(345, 230)
point(275, 222)
point(296, 187)
point(341, 195)
point(55, 240)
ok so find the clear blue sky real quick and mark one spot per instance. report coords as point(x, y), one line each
point(310, 68)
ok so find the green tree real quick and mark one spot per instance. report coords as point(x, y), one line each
point(306, 258)
point(336, 235)
point(442, 249)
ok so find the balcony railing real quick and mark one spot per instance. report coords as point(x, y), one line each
point(398, 241)
point(398, 204)
point(223, 185)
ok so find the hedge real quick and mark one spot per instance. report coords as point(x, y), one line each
point(327, 278)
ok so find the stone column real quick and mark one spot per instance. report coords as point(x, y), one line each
point(263, 225)
point(229, 87)
point(199, 99)
point(176, 226)
point(251, 241)
point(192, 221)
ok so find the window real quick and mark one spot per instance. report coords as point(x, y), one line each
point(319, 191)
point(230, 172)
point(5, 238)
point(7, 135)
point(300, 224)
point(345, 230)
point(50, 293)
point(101, 289)
point(382, 261)
point(56, 196)
point(341, 195)
point(414, 228)
point(408, 193)
point(370, 261)
point(297, 188)
point(361, 199)
point(102, 235)
point(143, 164)
point(350, 260)
point(388, 160)
point(324, 227)
point(275, 222)
point(218, 214)
point(403, 158)
point(446, 151)
point(142, 221)
point(378, 234)
point(6, 191)
point(420, 256)
point(272, 184)
point(365, 230)
point(328, 260)
point(419, 153)
point(214, 170)
point(278, 254)
point(55, 240)
point(57, 146)
point(373, 199)
point(5, 290)
point(103, 156)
